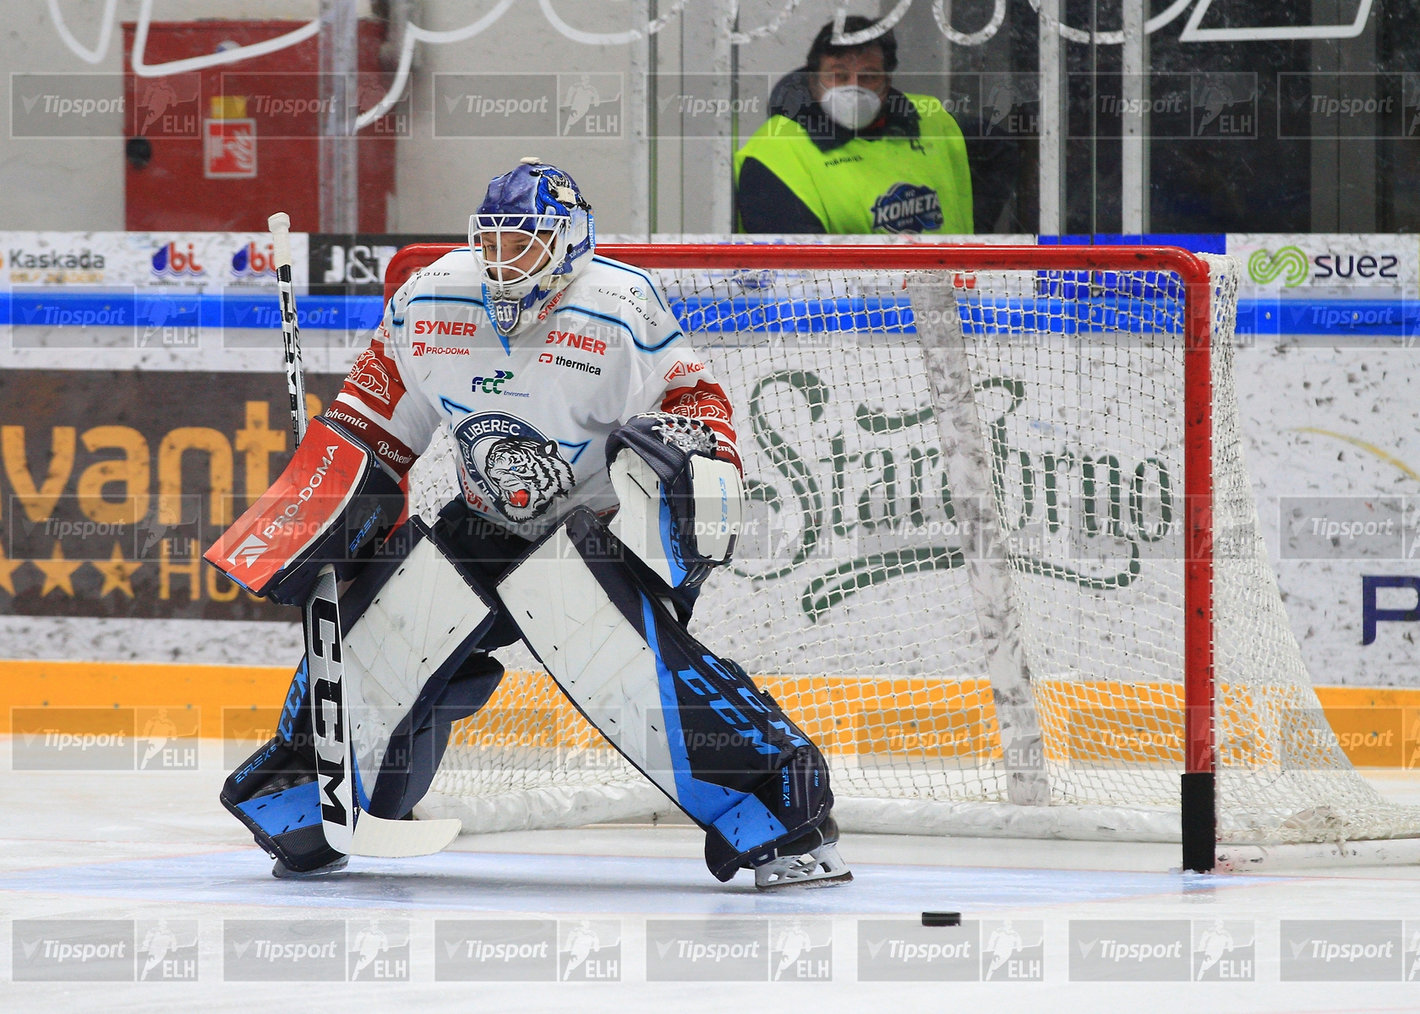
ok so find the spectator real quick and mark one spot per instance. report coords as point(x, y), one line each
point(845, 152)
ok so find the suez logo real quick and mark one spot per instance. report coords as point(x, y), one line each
point(1293, 266)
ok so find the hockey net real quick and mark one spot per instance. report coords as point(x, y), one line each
point(965, 569)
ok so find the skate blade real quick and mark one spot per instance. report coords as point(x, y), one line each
point(283, 872)
point(822, 867)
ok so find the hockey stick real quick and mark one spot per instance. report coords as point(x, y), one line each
point(347, 828)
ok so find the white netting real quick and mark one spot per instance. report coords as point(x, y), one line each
point(855, 600)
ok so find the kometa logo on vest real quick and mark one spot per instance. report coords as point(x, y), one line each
point(907, 207)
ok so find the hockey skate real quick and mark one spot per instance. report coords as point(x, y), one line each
point(808, 861)
point(281, 871)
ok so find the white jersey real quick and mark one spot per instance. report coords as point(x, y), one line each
point(530, 414)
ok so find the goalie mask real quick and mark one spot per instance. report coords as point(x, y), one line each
point(531, 235)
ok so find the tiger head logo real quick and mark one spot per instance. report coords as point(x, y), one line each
point(527, 475)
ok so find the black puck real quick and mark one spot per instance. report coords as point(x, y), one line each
point(941, 918)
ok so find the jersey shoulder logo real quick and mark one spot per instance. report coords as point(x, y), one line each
point(512, 465)
point(907, 207)
point(370, 376)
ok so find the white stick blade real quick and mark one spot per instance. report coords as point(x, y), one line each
point(399, 839)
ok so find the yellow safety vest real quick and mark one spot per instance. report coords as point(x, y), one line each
point(886, 184)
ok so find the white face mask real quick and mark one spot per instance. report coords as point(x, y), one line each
point(851, 106)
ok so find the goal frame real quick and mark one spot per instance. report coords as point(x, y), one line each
point(1198, 792)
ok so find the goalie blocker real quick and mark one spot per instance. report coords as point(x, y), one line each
point(693, 723)
point(332, 504)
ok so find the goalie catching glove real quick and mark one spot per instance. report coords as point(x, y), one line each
point(680, 504)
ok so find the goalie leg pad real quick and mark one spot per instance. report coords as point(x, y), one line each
point(694, 724)
point(419, 617)
point(412, 623)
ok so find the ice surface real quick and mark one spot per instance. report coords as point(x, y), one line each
point(151, 846)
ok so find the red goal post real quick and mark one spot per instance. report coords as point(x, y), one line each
point(1198, 808)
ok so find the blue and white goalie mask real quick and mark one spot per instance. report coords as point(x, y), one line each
point(531, 235)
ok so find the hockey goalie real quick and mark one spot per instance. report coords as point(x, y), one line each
point(599, 486)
